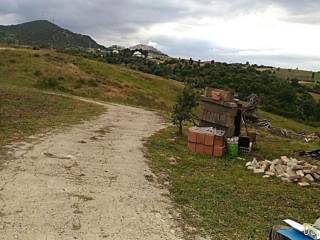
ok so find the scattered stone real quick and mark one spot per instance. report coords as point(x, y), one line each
point(279, 169)
point(285, 179)
point(300, 173)
point(307, 171)
point(288, 170)
point(172, 161)
point(254, 163)
point(258, 171)
point(310, 178)
point(270, 173)
point(316, 176)
point(303, 184)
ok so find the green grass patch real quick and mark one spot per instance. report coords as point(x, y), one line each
point(283, 122)
point(225, 198)
point(25, 112)
point(301, 75)
point(50, 70)
point(316, 96)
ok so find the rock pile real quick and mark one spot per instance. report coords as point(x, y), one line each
point(288, 169)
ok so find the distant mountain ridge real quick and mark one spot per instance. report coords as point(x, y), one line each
point(147, 48)
point(43, 33)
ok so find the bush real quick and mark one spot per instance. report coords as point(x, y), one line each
point(48, 83)
point(92, 83)
point(37, 73)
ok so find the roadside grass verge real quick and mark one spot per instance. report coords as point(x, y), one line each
point(222, 196)
point(24, 112)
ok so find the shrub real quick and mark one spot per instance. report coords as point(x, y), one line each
point(92, 83)
point(37, 73)
point(48, 83)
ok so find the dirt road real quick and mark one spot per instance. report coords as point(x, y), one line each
point(89, 181)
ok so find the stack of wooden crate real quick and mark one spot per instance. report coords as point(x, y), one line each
point(206, 142)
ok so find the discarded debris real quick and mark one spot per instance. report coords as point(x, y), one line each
point(264, 124)
point(312, 154)
point(287, 169)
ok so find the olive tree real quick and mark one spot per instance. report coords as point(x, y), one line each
point(182, 110)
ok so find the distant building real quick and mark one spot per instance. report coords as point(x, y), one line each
point(138, 54)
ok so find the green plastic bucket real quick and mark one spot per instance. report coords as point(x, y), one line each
point(233, 150)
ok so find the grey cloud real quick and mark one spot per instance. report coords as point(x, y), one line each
point(117, 21)
point(205, 50)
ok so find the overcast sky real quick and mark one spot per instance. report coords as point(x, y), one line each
point(282, 33)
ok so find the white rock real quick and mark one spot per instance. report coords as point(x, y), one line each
point(276, 161)
point(300, 173)
point(307, 171)
point(248, 164)
point(285, 179)
point(310, 178)
point(297, 167)
point(279, 169)
point(285, 160)
point(254, 162)
point(316, 176)
point(270, 173)
point(266, 176)
point(258, 171)
point(303, 184)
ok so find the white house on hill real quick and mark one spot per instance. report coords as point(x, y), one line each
point(138, 54)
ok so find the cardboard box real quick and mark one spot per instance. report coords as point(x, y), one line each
point(219, 151)
point(208, 150)
point(192, 146)
point(192, 136)
point(209, 140)
point(199, 148)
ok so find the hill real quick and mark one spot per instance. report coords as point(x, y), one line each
point(286, 98)
point(289, 74)
point(147, 48)
point(45, 34)
point(50, 70)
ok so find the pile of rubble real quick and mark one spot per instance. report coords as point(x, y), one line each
point(264, 124)
point(288, 169)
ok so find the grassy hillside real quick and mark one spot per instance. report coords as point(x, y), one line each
point(25, 112)
point(288, 74)
point(316, 96)
point(43, 33)
point(282, 122)
point(49, 70)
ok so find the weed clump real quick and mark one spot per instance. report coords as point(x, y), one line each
point(48, 83)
